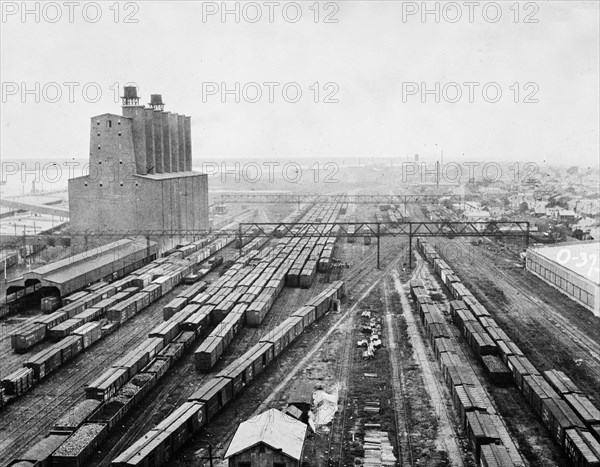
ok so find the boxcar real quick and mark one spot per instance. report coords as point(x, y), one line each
point(307, 313)
point(208, 353)
point(559, 417)
point(495, 455)
point(482, 429)
point(584, 408)
point(70, 347)
point(175, 305)
point(240, 371)
point(28, 336)
point(215, 394)
point(507, 348)
point(261, 354)
point(466, 400)
point(199, 321)
point(64, 329)
point(520, 367)
point(45, 362)
point(167, 331)
point(561, 382)
point(18, 382)
point(90, 333)
point(581, 448)
point(107, 384)
point(186, 420)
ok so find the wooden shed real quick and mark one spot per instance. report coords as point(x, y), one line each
point(271, 438)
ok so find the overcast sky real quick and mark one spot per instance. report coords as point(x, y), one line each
point(371, 53)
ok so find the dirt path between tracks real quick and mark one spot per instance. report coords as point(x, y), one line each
point(303, 363)
point(398, 382)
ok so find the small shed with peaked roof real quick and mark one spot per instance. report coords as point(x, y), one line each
point(271, 438)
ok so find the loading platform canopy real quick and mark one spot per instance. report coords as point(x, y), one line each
point(76, 272)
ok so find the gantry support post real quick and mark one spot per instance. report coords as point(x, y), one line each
point(378, 244)
point(410, 236)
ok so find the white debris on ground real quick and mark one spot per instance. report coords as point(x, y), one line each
point(370, 325)
point(325, 405)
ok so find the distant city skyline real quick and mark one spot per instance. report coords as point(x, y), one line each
point(369, 56)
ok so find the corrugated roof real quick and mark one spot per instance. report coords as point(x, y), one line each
point(273, 428)
point(62, 271)
point(55, 266)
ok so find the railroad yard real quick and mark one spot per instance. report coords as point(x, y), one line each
point(456, 356)
point(300, 234)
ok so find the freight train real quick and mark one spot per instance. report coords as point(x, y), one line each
point(125, 383)
point(570, 417)
point(90, 315)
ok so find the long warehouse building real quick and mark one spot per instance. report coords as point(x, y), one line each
point(107, 262)
point(572, 268)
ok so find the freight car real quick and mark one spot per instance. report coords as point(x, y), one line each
point(80, 445)
point(572, 420)
point(39, 455)
point(160, 444)
point(582, 448)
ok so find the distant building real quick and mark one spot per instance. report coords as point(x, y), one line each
point(572, 268)
point(269, 439)
point(519, 198)
point(140, 175)
point(496, 211)
point(477, 216)
point(565, 215)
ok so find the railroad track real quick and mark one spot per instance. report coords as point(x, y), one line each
point(139, 424)
point(432, 280)
point(184, 375)
point(11, 360)
point(574, 342)
point(342, 369)
point(398, 385)
point(445, 416)
point(350, 284)
point(346, 359)
point(60, 393)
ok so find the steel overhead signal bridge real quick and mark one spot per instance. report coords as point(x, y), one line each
point(448, 229)
point(335, 198)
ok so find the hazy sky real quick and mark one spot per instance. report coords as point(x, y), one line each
point(371, 53)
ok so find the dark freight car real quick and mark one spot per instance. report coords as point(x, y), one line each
point(215, 394)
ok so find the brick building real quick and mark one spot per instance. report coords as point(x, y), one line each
point(140, 175)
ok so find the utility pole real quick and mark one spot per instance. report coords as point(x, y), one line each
point(210, 455)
